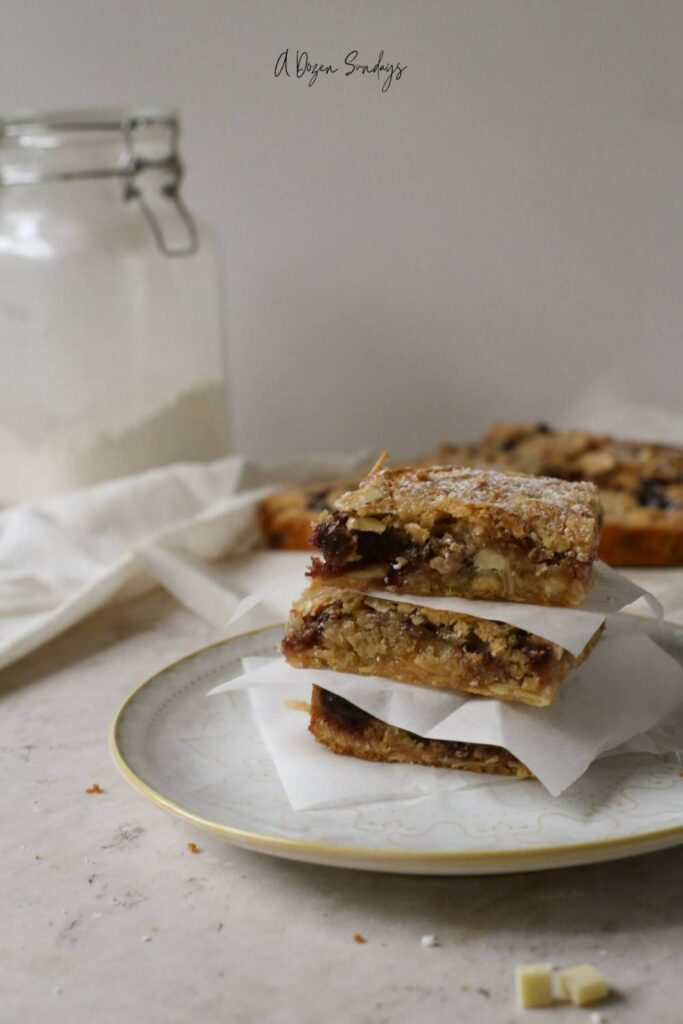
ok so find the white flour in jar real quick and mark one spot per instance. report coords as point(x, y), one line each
point(111, 359)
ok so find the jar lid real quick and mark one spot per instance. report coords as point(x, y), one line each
point(102, 119)
point(138, 146)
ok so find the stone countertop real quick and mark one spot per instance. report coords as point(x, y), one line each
point(108, 917)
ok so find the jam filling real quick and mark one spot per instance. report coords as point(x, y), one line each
point(340, 546)
point(510, 443)
point(652, 494)
point(345, 549)
point(347, 717)
point(319, 501)
point(312, 634)
point(351, 718)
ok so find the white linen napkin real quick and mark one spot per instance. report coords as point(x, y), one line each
point(65, 556)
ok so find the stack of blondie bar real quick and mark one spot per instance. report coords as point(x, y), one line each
point(441, 532)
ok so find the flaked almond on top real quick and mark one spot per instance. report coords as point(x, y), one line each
point(464, 532)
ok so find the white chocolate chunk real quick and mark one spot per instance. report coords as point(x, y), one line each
point(583, 984)
point(366, 524)
point(553, 586)
point(533, 983)
point(490, 561)
point(417, 532)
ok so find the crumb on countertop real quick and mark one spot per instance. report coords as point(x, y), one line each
point(193, 848)
point(360, 939)
point(429, 940)
point(95, 788)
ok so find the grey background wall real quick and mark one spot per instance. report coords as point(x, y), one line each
point(498, 232)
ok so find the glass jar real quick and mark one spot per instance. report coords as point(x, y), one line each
point(110, 325)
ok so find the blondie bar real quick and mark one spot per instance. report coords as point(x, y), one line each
point(346, 729)
point(467, 532)
point(337, 628)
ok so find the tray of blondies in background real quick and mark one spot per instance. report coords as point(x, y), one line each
point(640, 484)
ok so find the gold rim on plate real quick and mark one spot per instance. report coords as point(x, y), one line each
point(560, 854)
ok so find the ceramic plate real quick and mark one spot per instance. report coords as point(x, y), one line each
point(203, 760)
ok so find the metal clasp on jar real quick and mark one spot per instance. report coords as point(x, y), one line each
point(154, 181)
